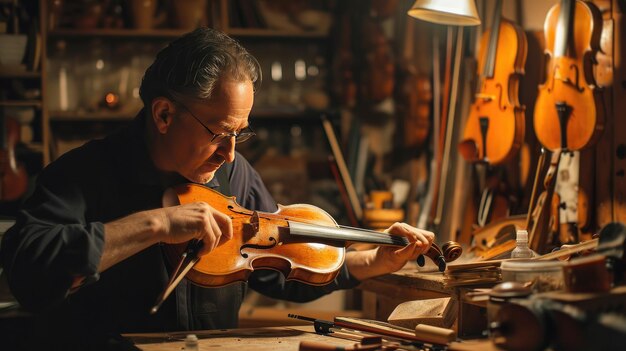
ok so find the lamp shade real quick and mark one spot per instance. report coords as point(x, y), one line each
point(451, 12)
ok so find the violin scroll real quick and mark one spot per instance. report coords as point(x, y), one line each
point(451, 251)
point(448, 252)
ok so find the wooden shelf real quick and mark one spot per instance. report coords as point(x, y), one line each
point(285, 113)
point(6, 73)
point(273, 33)
point(262, 113)
point(37, 147)
point(174, 33)
point(35, 103)
point(102, 116)
point(124, 33)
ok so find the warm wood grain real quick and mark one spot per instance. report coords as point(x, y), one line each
point(259, 339)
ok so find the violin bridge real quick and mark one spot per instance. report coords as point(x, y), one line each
point(251, 228)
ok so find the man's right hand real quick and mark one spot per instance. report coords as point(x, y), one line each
point(197, 220)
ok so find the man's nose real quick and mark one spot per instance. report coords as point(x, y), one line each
point(226, 149)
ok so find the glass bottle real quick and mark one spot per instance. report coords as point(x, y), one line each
point(522, 250)
point(62, 89)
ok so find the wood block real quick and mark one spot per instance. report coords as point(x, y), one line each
point(440, 312)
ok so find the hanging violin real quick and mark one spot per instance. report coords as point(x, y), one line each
point(494, 131)
point(569, 113)
point(301, 241)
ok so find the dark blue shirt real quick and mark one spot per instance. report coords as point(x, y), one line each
point(59, 235)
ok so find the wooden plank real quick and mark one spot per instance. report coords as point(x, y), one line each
point(409, 284)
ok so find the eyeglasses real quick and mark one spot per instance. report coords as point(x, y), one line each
point(216, 138)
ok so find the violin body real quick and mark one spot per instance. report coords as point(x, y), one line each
point(301, 241)
point(494, 131)
point(13, 177)
point(265, 247)
point(569, 80)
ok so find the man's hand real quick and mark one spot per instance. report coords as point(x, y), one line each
point(387, 259)
point(196, 220)
point(171, 224)
point(395, 258)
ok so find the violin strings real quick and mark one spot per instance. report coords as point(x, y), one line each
point(395, 239)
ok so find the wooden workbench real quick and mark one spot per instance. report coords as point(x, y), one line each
point(259, 339)
point(285, 338)
point(382, 294)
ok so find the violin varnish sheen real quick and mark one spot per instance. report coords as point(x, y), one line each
point(260, 242)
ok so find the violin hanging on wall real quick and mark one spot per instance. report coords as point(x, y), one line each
point(569, 111)
point(494, 131)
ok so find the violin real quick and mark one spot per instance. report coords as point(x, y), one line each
point(569, 113)
point(494, 131)
point(301, 241)
point(13, 177)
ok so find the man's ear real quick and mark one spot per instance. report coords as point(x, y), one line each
point(162, 112)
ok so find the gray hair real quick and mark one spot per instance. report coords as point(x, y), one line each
point(192, 64)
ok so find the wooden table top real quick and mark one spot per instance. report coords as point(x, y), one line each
point(259, 339)
point(285, 338)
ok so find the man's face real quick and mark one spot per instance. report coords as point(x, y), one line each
point(189, 148)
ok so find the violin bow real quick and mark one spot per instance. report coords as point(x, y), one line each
point(187, 260)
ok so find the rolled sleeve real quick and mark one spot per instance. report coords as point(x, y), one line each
point(50, 248)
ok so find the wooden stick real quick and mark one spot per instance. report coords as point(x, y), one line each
point(422, 332)
point(343, 191)
point(343, 170)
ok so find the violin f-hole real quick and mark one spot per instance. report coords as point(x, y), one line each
point(501, 104)
point(574, 84)
point(256, 246)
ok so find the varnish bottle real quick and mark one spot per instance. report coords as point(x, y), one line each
point(522, 250)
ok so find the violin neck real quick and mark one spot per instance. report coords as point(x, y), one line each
point(344, 234)
point(564, 27)
point(490, 62)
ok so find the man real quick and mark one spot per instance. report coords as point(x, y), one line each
point(85, 254)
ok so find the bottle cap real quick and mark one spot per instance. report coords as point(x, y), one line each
point(191, 340)
point(522, 235)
